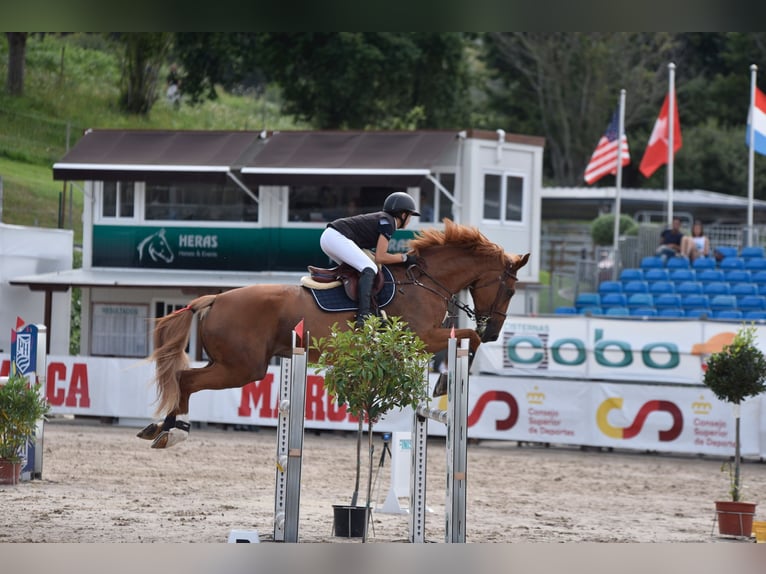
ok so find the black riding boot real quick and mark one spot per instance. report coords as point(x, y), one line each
point(364, 295)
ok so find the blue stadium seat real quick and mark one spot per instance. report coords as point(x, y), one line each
point(741, 290)
point(565, 310)
point(617, 311)
point(729, 314)
point(635, 287)
point(656, 274)
point(708, 275)
point(721, 302)
point(631, 274)
point(587, 299)
point(590, 311)
point(695, 302)
point(643, 312)
point(677, 263)
point(759, 277)
point(739, 276)
point(671, 312)
point(614, 300)
point(752, 303)
point(659, 287)
point(640, 300)
point(697, 313)
point(652, 262)
point(755, 264)
point(752, 252)
point(726, 251)
point(609, 287)
point(755, 315)
point(667, 301)
point(715, 288)
point(730, 263)
point(680, 275)
point(689, 288)
point(703, 263)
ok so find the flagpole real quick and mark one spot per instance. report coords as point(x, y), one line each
point(618, 186)
point(750, 156)
point(671, 133)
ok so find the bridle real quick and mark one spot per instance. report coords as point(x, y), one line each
point(441, 290)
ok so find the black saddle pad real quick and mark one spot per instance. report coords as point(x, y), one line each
point(336, 299)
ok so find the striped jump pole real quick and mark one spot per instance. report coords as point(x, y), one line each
point(455, 417)
point(292, 409)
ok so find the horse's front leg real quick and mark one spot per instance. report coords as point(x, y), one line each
point(443, 335)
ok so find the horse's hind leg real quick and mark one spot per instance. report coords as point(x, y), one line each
point(175, 428)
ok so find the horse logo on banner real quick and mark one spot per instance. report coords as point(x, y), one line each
point(156, 246)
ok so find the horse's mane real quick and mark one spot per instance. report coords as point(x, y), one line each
point(456, 235)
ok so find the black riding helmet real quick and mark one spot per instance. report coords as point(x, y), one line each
point(398, 203)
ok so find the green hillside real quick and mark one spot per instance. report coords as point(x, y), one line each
point(72, 84)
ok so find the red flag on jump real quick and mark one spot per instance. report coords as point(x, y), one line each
point(299, 330)
point(19, 323)
point(452, 332)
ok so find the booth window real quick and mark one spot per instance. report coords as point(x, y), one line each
point(198, 202)
point(325, 203)
point(118, 199)
point(433, 202)
point(503, 197)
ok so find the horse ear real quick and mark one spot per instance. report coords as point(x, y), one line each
point(521, 261)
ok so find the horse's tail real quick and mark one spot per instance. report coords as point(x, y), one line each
point(171, 335)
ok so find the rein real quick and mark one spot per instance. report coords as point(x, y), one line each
point(452, 298)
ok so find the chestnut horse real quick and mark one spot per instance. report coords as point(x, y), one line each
point(242, 329)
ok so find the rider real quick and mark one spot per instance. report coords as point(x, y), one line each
point(344, 239)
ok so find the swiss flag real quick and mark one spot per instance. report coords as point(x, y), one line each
point(656, 153)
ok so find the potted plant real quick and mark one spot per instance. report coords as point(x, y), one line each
point(735, 373)
point(22, 405)
point(372, 370)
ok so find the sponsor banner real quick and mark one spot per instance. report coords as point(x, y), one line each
point(662, 418)
point(609, 349)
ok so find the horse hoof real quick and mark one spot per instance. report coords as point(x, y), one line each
point(150, 432)
point(166, 439)
point(440, 388)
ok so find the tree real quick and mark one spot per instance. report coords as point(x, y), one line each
point(565, 85)
point(17, 51)
point(143, 57)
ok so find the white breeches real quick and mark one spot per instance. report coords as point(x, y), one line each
point(342, 250)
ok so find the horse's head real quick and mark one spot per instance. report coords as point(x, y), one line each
point(492, 293)
point(156, 247)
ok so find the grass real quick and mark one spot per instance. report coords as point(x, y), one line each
point(72, 82)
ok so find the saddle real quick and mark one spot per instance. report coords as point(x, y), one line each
point(343, 274)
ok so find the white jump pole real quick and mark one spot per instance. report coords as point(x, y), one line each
point(292, 408)
point(455, 417)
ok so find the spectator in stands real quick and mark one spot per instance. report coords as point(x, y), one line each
point(670, 240)
point(697, 244)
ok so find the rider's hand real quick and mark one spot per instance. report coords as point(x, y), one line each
point(410, 260)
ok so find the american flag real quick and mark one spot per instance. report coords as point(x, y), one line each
point(604, 158)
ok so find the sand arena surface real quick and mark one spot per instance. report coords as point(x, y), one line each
point(102, 484)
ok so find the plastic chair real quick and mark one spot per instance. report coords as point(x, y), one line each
point(726, 251)
point(617, 312)
point(587, 299)
point(752, 252)
point(722, 302)
point(755, 264)
point(609, 287)
point(680, 275)
point(755, 315)
point(739, 276)
point(752, 303)
point(730, 314)
point(631, 274)
point(652, 262)
point(614, 300)
point(740, 290)
point(715, 288)
point(660, 287)
point(689, 288)
point(564, 310)
point(635, 287)
point(667, 301)
point(677, 263)
point(708, 275)
point(593, 310)
point(730, 263)
point(643, 312)
point(671, 312)
point(640, 300)
point(703, 263)
point(695, 302)
point(700, 313)
point(656, 274)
